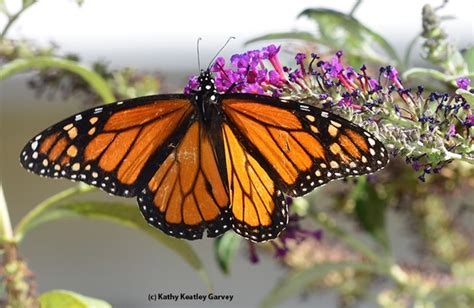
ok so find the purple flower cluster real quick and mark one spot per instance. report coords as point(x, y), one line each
point(261, 72)
point(469, 122)
point(248, 73)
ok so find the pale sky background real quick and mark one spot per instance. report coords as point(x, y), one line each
point(121, 265)
point(161, 35)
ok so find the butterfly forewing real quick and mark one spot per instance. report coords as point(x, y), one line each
point(304, 146)
point(111, 146)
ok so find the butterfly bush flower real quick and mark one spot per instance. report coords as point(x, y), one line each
point(428, 130)
point(294, 233)
point(469, 121)
point(463, 83)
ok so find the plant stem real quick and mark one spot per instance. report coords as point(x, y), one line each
point(355, 7)
point(12, 18)
point(5, 223)
point(17, 278)
point(22, 226)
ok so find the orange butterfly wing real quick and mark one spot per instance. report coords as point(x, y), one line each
point(187, 193)
point(259, 210)
point(303, 146)
point(112, 146)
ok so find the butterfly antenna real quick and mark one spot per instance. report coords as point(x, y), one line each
point(198, 55)
point(222, 48)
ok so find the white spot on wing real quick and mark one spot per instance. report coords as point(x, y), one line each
point(304, 107)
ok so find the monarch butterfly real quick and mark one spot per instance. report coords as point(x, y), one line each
point(206, 160)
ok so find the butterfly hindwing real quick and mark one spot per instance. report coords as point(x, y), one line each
point(187, 194)
point(305, 146)
point(114, 147)
point(259, 210)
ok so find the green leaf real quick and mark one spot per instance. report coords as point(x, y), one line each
point(409, 49)
point(27, 3)
point(419, 72)
point(341, 31)
point(225, 248)
point(304, 36)
point(370, 210)
point(468, 96)
point(64, 298)
point(469, 58)
point(3, 8)
point(123, 214)
point(298, 281)
point(92, 78)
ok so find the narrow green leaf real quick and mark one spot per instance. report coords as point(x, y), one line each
point(419, 72)
point(225, 248)
point(304, 36)
point(123, 214)
point(92, 78)
point(351, 34)
point(370, 210)
point(29, 220)
point(409, 49)
point(64, 298)
point(469, 58)
point(298, 281)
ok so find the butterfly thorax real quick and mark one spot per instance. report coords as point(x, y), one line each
point(206, 99)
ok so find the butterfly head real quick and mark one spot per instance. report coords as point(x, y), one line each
point(206, 86)
point(205, 77)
